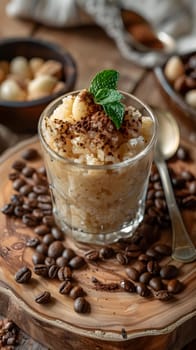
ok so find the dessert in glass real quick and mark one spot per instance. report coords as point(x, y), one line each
point(98, 162)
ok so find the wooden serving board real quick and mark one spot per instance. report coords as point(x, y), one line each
point(148, 323)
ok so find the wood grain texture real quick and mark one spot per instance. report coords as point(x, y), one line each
point(110, 312)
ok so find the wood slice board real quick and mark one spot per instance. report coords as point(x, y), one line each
point(148, 322)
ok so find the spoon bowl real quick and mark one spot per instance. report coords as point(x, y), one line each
point(183, 249)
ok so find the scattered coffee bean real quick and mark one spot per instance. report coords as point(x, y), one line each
point(92, 255)
point(57, 233)
point(48, 220)
point(64, 273)
point(76, 262)
point(163, 295)
point(127, 285)
point(44, 198)
point(55, 249)
point(38, 258)
point(68, 253)
point(156, 283)
point(106, 253)
point(142, 289)
point(65, 287)
point(18, 183)
point(145, 277)
point(29, 220)
point(182, 153)
point(48, 239)
point(53, 271)
point(38, 213)
point(153, 267)
point(30, 154)
point(174, 286)
point(49, 261)
point(62, 261)
point(169, 272)
point(81, 305)
point(144, 258)
point(40, 189)
point(122, 258)
point(42, 248)
point(23, 275)
point(41, 270)
point(32, 242)
point(43, 298)
point(26, 189)
point(18, 164)
point(17, 199)
point(28, 171)
point(139, 266)
point(8, 209)
point(153, 253)
point(13, 176)
point(132, 273)
point(42, 170)
point(76, 292)
point(163, 249)
point(41, 230)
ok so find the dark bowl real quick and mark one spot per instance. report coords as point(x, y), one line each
point(174, 99)
point(23, 116)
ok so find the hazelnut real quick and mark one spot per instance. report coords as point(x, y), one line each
point(19, 66)
point(174, 68)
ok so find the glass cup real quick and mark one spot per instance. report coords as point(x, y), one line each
point(98, 203)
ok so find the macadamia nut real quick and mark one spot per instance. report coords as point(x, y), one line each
point(35, 64)
point(19, 66)
point(190, 98)
point(41, 86)
point(11, 91)
point(174, 68)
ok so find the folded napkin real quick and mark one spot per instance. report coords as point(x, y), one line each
point(175, 17)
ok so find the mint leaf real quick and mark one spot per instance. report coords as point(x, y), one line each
point(115, 111)
point(104, 79)
point(106, 95)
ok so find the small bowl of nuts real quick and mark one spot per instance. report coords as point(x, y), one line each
point(177, 78)
point(33, 72)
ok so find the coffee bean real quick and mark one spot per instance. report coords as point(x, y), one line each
point(38, 213)
point(65, 287)
point(144, 258)
point(29, 220)
point(41, 230)
point(68, 253)
point(41, 270)
point(76, 292)
point(142, 290)
point(62, 261)
point(156, 283)
point(169, 272)
point(48, 239)
point(132, 248)
point(18, 183)
point(92, 255)
point(57, 233)
point(53, 271)
point(151, 194)
point(45, 206)
point(17, 199)
point(32, 203)
point(122, 258)
point(127, 285)
point(38, 258)
point(153, 267)
point(189, 202)
point(174, 286)
point(43, 298)
point(64, 273)
point(55, 249)
point(24, 190)
point(18, 165)
point(192, 187)
point(13, 175)
point(26, 209)
point(42, 170)
point(76, 262)
point(159, 194)
point(40, 189)
point(8, 209)
point(28, 171)
point(106, 253)
point(44, 198)
point(30, 154)
point(23, 275)
point(163, 295)
point(163, 249)
point(133, 255)
point(140, 266)
point(42, 248)
point(48, 220)
point(32, 242)
point(153, 253)
point(132, 273)
point(49, 261)
point(38, 179)
point(145, 277)
point(81, 305)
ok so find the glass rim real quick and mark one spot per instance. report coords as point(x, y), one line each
point(72, 162)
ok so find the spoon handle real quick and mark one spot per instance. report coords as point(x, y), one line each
point(182, 248)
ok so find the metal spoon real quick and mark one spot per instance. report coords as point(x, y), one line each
point(183, 249)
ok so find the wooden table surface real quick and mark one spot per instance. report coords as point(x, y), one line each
point(92, 50)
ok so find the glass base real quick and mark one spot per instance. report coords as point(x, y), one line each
point(102, 238)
